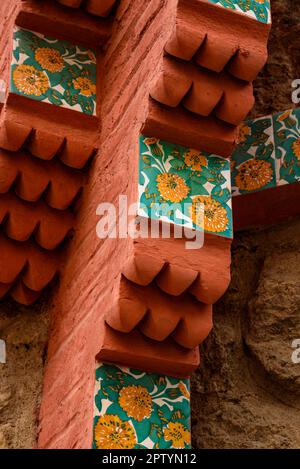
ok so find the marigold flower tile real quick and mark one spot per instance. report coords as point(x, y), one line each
point(138, 410)
point(253, 163)
point(287, 146)
point(268, 153)
point(178, 184)
point(53, 71)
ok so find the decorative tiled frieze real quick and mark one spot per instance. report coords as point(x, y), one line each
point(259, 10)
point(53, 71)
point(268, 153)
point(139, 410)
point(193, 181)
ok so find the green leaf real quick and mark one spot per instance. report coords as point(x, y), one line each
point(146, 159)
point(222, 195)
point(71, 98)
point(55, 97)
point(264, 152)
point(178, 164)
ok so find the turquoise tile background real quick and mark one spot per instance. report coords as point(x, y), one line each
point(53, 71)
point(138, 410)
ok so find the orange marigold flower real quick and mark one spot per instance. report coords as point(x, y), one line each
point(85, 86)
point(296, 148)
point(214, 218)
point(50, 59)
point(244, 131)
point(178, 434)
point(29, 80)
point(112, 433)
point(195, 159)
point(253, 174)
point(136, 402)
point(172, 187)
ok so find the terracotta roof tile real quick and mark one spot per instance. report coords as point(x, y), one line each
point(203, 92)
point(95, 7)
point(20, 220)
point(158, 315)
point(219, 38)
point(24, 295)
point(205, 273)
point(32, 179)
point(45, 145)
point(28, 263)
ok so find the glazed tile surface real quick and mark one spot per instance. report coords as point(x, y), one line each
point(268, 153)
point(177, 183)
point(53, 71)
point(287, 146)
point(137, 410)
point(253, 165)
point(257, 9)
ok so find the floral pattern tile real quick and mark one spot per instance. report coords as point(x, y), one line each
point(253, 163)
point(184, 186)
point(268, 153)
point(53, 71)
point(287, 146)
point(138, 410)
point(257, 9)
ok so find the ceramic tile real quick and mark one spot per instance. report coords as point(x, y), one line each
point(253, 165)
point(257, 9)
point(188, 179)
point(287, 146)
point(137, 410)
point(53, 71)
